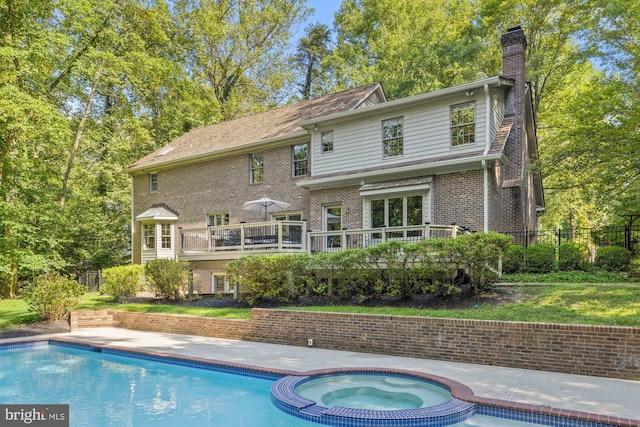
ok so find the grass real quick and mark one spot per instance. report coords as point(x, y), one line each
point(615, 305)
point(568, 304)
point(15, 313)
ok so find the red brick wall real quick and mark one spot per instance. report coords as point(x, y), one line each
point(578, 349)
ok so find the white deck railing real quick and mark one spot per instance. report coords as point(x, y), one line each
point(275, 236)
point(333, 241)
point(292, 236)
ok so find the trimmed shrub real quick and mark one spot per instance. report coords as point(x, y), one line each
point(480, 254)
point(572, 256)
point(275, 277)
point(53, 296)
point(123, 282)
point(541, 258)
point(513, 259)
point(613, 258)
point(168, 278)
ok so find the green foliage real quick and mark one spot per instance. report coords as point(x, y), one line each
point(613, 258)
point(392, 268)
point(53, 296)
point(124, 281)
point(168, 278)
point(276, 277)
point(513, 260)
point(541, 258)
point(573, 256)
point(567, 277)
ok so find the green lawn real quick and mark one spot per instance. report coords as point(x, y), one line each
point(617, 305)
point(576, 304)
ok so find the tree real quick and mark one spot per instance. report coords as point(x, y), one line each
point(237, 49)
point(312, 49)
point(412, 46)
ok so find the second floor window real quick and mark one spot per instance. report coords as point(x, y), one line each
point(463, 124)
point(153, 182)
point(326, 140)
point(300, 159)
point(392, 137)
point(256, 168)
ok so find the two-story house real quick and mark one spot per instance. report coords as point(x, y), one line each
point(351, 169)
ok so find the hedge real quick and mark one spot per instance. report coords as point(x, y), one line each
point(392, 268)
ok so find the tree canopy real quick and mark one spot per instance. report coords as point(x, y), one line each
point(87, 87)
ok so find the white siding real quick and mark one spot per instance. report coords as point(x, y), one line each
point(159, 252)
point(497, 110)
point(357, 144)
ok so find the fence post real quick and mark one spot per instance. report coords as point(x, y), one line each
point(559, 236)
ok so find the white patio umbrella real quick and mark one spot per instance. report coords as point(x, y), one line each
point(265, 205)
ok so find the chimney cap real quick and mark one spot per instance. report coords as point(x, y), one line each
point(513, 37)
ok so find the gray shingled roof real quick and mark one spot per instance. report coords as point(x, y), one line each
point(276, 123)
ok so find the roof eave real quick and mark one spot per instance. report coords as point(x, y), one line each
point(203, 157)
point(359, 178)
point(408, 101)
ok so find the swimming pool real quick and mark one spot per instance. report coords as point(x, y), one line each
point(105, 386)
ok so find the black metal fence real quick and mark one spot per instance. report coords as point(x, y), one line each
point(91, 279)
point(626, 236)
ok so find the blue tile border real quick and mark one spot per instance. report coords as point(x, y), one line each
point(284, 396)
point(463, 403)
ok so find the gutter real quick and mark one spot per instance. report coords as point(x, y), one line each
point(405, 102)
point(397, 172)
point(203, 157)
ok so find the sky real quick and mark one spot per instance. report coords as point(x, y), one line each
point(324, 11)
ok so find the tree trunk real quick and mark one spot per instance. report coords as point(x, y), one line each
point(76, 144)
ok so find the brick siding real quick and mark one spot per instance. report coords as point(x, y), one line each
point(606, 351)
point(459, 198)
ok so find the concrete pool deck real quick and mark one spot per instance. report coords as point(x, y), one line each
point(605, 396)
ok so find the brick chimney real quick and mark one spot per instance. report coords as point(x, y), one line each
point(514, 45)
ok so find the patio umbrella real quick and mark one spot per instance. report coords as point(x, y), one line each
point(265, 205)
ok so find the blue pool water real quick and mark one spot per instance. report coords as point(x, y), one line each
point(104, 389)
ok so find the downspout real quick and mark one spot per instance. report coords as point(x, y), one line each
point(487, 143)
point(133, 223)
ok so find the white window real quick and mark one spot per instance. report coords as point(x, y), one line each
point(397, 211)
point(165, 236)
point(256, 171)
point(300, 159)
point(153, 182)
point(220, 284)
point(392, 139)
point(149, 236)
point(332, 221)
point(219, 218)
point(463, 124)
point(326, 141)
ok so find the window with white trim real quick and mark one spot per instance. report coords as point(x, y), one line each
point(218, 218)
point(220, 284)
point(256, 168)
point(463, 124)
point(392, 137)
point(398, 211)
point(149, 236)
point(165, 236)
point(326, 141)
point(153, 182)
point(300, 154)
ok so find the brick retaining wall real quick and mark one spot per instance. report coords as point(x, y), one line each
point(606, 351)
